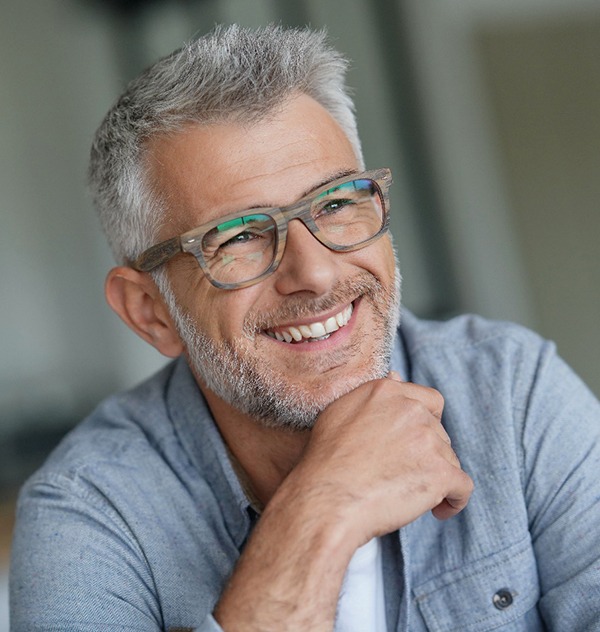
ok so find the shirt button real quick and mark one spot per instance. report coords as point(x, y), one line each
point(503, 599)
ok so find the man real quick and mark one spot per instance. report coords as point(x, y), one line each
point(292, 469)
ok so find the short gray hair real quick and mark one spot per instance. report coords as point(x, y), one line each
point(231, 74)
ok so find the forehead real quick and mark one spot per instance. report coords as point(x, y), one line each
point(207, 171)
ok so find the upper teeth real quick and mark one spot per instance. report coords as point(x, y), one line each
point(317, 330)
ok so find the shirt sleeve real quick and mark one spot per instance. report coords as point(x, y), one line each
point(561, 446)
point(76, 567)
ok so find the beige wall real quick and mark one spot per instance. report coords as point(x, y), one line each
point(544, 92)
point(510, 91)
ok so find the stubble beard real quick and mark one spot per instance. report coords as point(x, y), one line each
point(248, 382)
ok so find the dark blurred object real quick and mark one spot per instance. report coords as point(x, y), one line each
point(133, 46)
point(124, 7)
point(25, 449)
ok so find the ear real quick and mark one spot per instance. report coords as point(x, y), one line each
point(135, 298)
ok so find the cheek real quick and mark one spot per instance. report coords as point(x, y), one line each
point(222, 313)
point(387, 253)
point(378, 259)
point(195, 296)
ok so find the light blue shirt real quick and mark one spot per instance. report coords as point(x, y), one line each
point(137, 519)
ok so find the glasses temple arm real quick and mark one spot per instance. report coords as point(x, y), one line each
point(157, 255)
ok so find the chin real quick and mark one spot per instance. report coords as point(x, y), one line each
point(297, 407)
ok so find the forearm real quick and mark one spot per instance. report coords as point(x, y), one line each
point(290, 573)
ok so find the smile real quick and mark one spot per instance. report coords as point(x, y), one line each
point(314, 331)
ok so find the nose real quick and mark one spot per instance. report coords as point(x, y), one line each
point(307, 265)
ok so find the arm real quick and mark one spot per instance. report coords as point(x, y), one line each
point(378, 458)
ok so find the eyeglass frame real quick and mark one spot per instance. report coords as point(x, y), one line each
point(191, 241)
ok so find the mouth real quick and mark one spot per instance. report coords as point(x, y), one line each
point(316, 331)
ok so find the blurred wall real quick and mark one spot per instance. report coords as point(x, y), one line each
point(510, 91)
point(56, 345)
point(544, 87)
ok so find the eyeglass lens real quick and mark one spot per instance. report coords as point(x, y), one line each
point(243, 248)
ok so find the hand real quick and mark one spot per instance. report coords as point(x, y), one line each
point(377, 459)
point(382, 458)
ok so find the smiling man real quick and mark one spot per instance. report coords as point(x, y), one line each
point(295, 467)
point(345, 306)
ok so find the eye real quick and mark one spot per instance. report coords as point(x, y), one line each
point(330, 207)
point(240, 238)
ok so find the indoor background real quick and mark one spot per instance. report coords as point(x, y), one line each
point(486, 110)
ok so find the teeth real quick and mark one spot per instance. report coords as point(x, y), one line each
point(305, 331)
point(296, 335)
point(317, 330)
point(314, 331)
point(331, 325)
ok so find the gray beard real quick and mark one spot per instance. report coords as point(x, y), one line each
point(250, 385)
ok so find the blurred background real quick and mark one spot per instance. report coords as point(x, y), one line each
point(486, 110)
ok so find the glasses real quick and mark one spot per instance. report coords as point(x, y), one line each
point(239, 250)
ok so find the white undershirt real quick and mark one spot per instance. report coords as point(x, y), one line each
point(361, 606)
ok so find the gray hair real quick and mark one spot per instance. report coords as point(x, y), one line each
point(231, 74)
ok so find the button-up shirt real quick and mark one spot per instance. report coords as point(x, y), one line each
point(137, 519)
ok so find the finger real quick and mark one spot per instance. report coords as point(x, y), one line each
point(429, 397)
point(436, 425)
point(457, 500)
point(444, 450)
point(450, 455)
point(445, 510)
point(441, 432)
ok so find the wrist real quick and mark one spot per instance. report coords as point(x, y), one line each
point(324, 510)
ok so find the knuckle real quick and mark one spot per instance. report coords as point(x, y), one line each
point(437, 400)
point(469, 483)
point(430, 398)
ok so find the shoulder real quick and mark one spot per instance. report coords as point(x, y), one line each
point(498, 379)
point(469, 352)
point(464, 331)
point(125, 432)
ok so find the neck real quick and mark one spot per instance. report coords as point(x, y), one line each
point(265, 455)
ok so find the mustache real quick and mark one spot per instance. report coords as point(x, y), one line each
point(364, 284)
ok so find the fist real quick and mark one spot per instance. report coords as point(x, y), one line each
point(381, 458)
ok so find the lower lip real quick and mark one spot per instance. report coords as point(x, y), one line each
point(336, 337)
